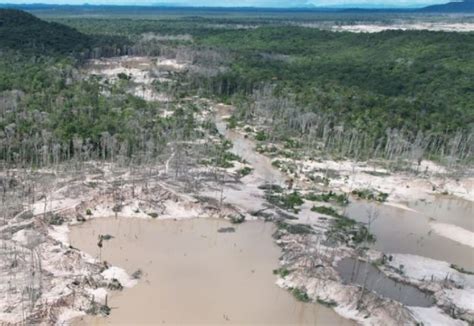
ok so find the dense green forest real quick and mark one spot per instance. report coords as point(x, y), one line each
point(417, 84)
point(417, 79)
point(421, 80)
point(22, 31)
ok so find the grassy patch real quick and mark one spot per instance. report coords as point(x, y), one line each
point(261, 136)
point(232, 122)
point(341, 199)
point(285, 201)
point(56, 219)
point(245, 171)
point(225, 160)
point(319, 179)
point(370, 195)
point(325, 210)
point(300, 295)
point(271, 187)
point(461, 269)
point(291, 143)
point(282, 271)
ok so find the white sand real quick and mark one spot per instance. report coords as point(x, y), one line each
point(454, 233)
point(434, 317)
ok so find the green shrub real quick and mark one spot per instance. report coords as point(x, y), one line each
point(461, 269)
point(282, 271)
point(245, 171)
point(326, 211)
point(300, 295)
point(237, 219)
point(327, 197)
point(232, 122)
point(285, 201)
point(368, 194)
point(261, 136)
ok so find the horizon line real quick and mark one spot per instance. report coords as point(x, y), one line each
point(171, 5)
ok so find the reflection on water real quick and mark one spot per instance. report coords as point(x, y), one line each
point(193, 273)
point(364, 274)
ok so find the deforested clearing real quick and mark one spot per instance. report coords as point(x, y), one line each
point(241, 169)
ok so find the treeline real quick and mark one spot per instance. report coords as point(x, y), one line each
point(282, 119)
point(415, 80)
point(50, 113)
point(24, 35)
point(392, 94)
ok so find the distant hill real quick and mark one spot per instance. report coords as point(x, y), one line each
point(22, 31)
point(466, 6)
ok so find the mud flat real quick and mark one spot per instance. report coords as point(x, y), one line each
point(193, 273)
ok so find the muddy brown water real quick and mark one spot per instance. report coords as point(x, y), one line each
point(407, 232)
point(446, 209)
point(368, 276)
point(194, 274)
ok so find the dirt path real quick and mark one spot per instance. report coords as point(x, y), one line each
point(245, 148)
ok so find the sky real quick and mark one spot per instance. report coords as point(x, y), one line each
point(250, 3)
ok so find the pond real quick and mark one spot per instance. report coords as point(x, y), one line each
point(364, 274)
point(194, 274)
point(414, 231)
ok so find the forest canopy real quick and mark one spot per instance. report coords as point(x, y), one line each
point(410, 81)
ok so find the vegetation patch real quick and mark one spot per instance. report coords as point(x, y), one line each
point(300, 295)
point(271, 187)
point(56, 219)
point(461, 269)
point(261, 136)
point(115, 285)
point(340, 199)
point(285, 201)
point(368, 194)
point(295, 228)
point(347, 230)
point(98, 309)
point(326, 211)
point(327, 303)
point(245, 171)
point(237, 219)
point(232, 122)
point(282, 272)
